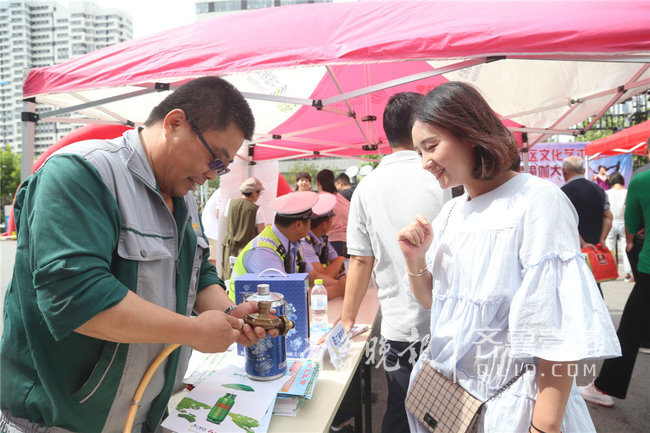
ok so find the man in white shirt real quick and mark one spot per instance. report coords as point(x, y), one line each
point(210, 220)
point(386, 200)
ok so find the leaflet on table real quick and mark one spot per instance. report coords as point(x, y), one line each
point(300, 378)
point(225, 402)
point(202, 365)
point(287, 406)
point(264, 424)
point(338, 346)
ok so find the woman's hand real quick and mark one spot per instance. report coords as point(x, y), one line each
point(416, 238)
point(414, 241)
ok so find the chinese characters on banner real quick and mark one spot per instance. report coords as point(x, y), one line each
point(545, 159)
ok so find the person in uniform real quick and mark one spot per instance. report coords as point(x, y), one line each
point(319, 254)
point(278, 245)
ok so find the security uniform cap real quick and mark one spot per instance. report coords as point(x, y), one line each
point(251, 184)
point(295, 205)
point(325, 205)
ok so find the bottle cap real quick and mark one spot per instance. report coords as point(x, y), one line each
point(318, 281)
point(263, 289)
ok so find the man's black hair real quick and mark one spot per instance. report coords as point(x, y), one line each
point(343, 178)
point(398, 118)
point(210, 103)
point(326, 180)
point(284, 222)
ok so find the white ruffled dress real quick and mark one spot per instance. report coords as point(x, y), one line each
point(511, 286)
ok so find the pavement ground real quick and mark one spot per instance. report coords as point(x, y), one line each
point(631, 415)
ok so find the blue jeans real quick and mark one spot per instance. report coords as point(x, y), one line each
point(398, 357)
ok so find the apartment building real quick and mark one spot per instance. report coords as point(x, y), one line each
point(42, 33)
point(219, 7)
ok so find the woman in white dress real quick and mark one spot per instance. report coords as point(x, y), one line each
point(616, 237)
point(500, 268)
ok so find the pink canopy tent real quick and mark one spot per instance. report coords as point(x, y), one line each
point(318, 75)
point(630, 140)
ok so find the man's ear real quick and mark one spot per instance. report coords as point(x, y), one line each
point(174, 119)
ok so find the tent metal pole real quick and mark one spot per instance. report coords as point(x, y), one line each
point(54, 113)
point(576, 101)
point(29, 119)
point(538, 110)
point(102, 109)
point(82, 121)
point(524, 153)
point(309, 141)
point(549, 131)
point(571, 131)
point(278, 98)
point(347, 104)
point(305, 131)
point(407, 79)
point(620, 92)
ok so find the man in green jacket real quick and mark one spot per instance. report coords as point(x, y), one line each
point(616, 373)
point(111, 262)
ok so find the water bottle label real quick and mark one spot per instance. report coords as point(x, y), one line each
point(319, 302)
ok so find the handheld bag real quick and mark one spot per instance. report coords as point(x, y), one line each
point(601, 262)
point(442, 405)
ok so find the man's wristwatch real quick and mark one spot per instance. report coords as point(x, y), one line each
point(229, 309)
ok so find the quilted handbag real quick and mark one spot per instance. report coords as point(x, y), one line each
point(442, 405)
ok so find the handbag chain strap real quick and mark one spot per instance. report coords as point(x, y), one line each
point(453, 205)
point(509, 383)
point(523, 368)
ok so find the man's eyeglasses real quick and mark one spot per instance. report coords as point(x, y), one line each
point(216, 164)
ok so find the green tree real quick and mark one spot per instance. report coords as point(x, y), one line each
point(9, 175)
point(310, 167)
point(375, 163)
point(593, 134)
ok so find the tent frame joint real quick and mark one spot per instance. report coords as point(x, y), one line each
point(161, 87)
point(317, 103)
point(27, 116)
point(490, 59)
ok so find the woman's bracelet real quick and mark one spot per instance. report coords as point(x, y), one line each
point(536, 429)
point(419, 274)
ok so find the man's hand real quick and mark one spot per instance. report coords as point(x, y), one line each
point(250, 336)
point(215, 331)
point(588, 245)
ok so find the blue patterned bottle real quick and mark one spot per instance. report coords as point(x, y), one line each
point(267, 359)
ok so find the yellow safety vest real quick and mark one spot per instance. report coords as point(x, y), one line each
point(266, 239)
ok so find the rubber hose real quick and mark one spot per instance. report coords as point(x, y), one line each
point(135, 403)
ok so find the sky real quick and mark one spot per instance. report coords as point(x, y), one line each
point(151, 16)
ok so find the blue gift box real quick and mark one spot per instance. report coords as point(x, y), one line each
point(295, 288)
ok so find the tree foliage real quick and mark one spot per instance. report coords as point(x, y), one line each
point(594, 134)
point(310, 167)
point(9, 174)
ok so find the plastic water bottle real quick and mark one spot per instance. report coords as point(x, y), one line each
point(319, 323)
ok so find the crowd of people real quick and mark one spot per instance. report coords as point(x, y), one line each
point(479, 282)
